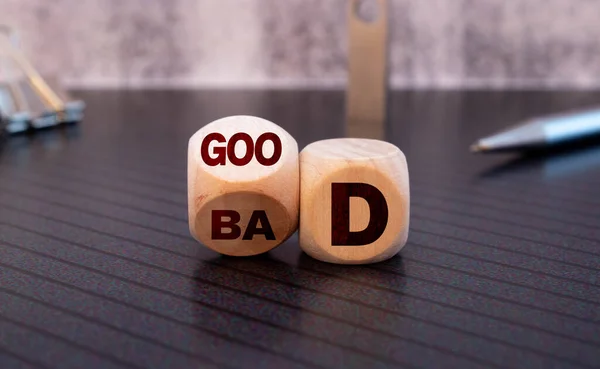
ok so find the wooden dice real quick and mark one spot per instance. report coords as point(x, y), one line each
point(243, 185)
point(249, 190)
point(354, 200)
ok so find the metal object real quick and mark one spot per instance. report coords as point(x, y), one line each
point(15, 119)
point(73, 108)
point(12, 100)
point(542, 132)
point(33, 103)
point(367, 68)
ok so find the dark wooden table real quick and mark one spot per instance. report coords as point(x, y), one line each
point(98, 270)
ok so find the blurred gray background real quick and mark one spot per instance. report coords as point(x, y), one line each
point(303, 43)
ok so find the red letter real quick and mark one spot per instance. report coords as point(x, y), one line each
point(231, 149)
point(220, 151)
point(218, 224)
point(340, 214)
point(259, 148)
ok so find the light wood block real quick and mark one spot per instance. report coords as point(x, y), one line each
point(366, 94)
point(242, 204)
point(354, 200)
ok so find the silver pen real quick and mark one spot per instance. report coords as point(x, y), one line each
point(542, 131)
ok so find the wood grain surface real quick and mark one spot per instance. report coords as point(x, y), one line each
point(248, 195)
point(98, 269)
point(354, 200)
point(367, 86)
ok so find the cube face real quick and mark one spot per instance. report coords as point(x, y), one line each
point(354, 206)
point(243, 185)
point(243, 223)
point(241, 149)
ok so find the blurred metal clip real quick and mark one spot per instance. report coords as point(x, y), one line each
point(29, 103)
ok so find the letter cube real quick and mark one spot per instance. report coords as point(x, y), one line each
point(243, 185)
point(354, 200)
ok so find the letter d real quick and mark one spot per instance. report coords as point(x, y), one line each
point(340, 214)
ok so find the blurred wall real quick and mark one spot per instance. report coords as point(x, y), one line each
point(195, 43)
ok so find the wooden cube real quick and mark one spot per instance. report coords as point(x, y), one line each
point(243, 185)
point(354, 200)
